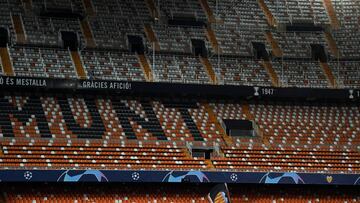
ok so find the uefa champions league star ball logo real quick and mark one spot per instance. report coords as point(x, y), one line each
point(190, 176)
point(82, 176)
point(282, 178)
point(135, 176)
point(28, 175)
point(233, 177)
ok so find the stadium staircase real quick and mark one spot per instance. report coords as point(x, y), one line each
point(19, 29)
point(334, 21)
point(276, 50)
point(249, 116)
point(246, 109)
point(209, 164)
point(209, 13)
point(329, 74)
point(144, 63)
point(151, 36)
point(152, 9)
point(213, 119)
point(332, 44)
point(89, 7)
point(273, 76)
point(269, 16)
point(209, 70)
point(79, 67)
point(6, 62)
point(210, 34)
point(86, 29)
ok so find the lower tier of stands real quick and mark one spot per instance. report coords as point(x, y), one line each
point(112, 132)
point(172, 193)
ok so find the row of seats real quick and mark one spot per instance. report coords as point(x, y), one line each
point(300, 74)
point(126, 193)
point(293, 11)
point(63, 157)
point(42, 62)
point(348, 36)
point(347, 73)
point(112, 66)
point(115, 20)
point(240, 25)
point(178, 69)
point(236, 71)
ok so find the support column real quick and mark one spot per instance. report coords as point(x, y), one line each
point(79, 67)
point(269, 16)
point(276, 50)
point(329, 74)
point(271, 72)
point(334, 21)
point(144, 63)
point(150, 35)
point(19, 29)
point(7, 66)
point(209, 70)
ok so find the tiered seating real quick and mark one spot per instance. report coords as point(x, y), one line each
point(299, 138)
point(300, 74)
point(7, 8)
point(42, 62)
point(115, 20)
point(186, 122)
point(298, 10)
point(347, 72)
point(27, 62)
point(170, 8)
point(348, 37)
point(45, 31)
point(58, 63)
point(243, 23)
point(176, 193)
point(104, 194)
point(297, 44)
point(293, 194)
point(112, 66)
point(106, 118)
point(206, 127)
point(263, 159)
point(179, 69)
point(176, 39)
point(49, 154)
point(236, 71)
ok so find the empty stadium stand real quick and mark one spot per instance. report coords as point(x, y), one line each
point(84, 132)
point(230, 30)
point(112, 66)
point(170, 193)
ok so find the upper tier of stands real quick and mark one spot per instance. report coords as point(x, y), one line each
point(235, 28)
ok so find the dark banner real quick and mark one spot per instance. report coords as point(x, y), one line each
point(176, 177)
point(176, 89)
